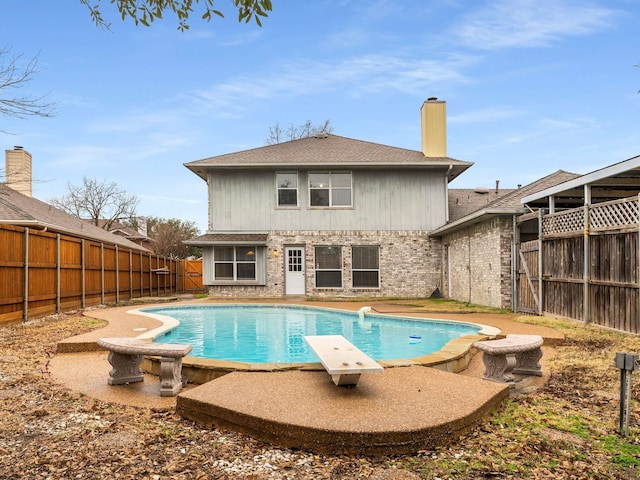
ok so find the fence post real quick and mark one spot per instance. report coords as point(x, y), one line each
point(587, 270)
point(83, 276)
point(101, 273)
point(179, 262)
point(58, 275)
point(157, 277)
point(25, 307)
point(117, 275)
point(540, 266)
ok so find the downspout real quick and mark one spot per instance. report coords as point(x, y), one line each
point(446, 194)
point(515, 241)
point(469, 260)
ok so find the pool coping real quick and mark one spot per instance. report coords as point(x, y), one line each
point(453, 357)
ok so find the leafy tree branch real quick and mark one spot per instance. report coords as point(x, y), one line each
point(145, 12)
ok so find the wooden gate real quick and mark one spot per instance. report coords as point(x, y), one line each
point(192, 276)
point(528, 277)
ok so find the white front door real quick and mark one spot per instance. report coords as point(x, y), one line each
point(294, 268)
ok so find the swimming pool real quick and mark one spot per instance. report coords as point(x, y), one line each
point(274, 334)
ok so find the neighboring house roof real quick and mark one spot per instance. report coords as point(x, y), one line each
point(508, 204)
point(21, 210)
point(326, 151)
point(229, 238)
point(124, 231)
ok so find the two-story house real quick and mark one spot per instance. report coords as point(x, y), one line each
point(328, 216)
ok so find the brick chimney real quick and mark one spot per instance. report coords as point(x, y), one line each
point(434, 128)
point(18, 170)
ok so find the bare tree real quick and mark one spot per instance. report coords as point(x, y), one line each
point(169, 234)
point(146, 11)
point(16, 73)
point(103, 203)
point(279, 134)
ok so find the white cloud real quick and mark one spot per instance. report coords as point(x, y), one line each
point(486, 115)
point(81, 155)
point(530, 23)
point(357, 75)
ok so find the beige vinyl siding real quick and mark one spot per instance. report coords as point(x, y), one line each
point(382, 200)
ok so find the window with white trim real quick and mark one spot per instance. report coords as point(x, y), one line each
point(330, 189)
point(328, 267)
point(287, 186)
point(365, 266)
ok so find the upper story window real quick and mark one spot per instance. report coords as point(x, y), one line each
point(330, 189)
point(287, 189)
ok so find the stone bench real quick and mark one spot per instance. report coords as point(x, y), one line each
point(341, 359)
point(519, 354)
point(126, 355)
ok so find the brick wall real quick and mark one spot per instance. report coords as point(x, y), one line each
point(477, 264)
point(409, 264)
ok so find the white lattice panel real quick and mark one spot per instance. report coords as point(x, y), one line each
point(602, 216)
point(616, 214)
point(563, 222)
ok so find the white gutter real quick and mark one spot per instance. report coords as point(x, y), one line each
point(477, 216)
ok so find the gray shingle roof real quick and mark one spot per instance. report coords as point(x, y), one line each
point(463, 201)
point(327, 151)
point(229, 238)
point(19, 209)
point(514, 199)
point(468, 206)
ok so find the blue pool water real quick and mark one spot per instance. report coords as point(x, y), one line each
point(274, 334)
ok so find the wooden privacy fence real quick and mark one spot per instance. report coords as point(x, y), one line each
point(42, 273)
point(589, 263)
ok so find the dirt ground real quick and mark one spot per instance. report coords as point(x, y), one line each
point(567, 429)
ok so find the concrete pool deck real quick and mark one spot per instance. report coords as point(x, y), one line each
point(401, 410)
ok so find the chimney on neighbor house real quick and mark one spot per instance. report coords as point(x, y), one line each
point(17, 170)
point(434, 128)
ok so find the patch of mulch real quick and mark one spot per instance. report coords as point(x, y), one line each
point(50, 432)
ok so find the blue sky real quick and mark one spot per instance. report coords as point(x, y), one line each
point(532, 86)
